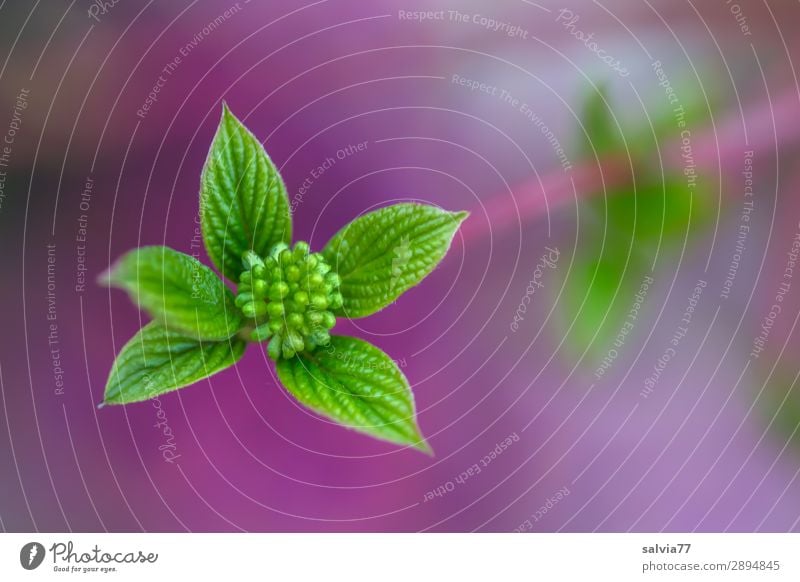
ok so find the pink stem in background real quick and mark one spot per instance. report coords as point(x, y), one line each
point(767, 122)
point(538, 197)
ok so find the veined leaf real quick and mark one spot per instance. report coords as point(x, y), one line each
point(243, 200)
point(382, 254)
point(355, 384)
point(177, 290)
point(157, 360)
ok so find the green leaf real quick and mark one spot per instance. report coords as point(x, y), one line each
point(779, 404)
point(243, 200)
point(355, 384)
point(157, 360)
point(629, 226)
point(597, 297)
point(602, 131)
point(177, 290)
point(651, 124)
point(653, 212)
point(382, 254)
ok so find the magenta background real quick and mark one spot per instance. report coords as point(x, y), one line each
point(308, 83)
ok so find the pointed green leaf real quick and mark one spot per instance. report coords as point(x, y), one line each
point(355, 384)
point(382, 254)
point(157, 360)
point(601, 128)
point(654, 123)
point(177, 290)
point(243, 200)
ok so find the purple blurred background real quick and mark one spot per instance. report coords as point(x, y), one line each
point(713, 448)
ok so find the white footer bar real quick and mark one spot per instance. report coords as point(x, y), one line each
point(390, 557)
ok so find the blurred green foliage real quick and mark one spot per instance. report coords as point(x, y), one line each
point(626, 232)
point(780, 405)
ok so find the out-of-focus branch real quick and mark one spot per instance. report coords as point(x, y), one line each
point(537, 197)
point(767, 125)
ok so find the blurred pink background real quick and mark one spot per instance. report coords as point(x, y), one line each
point(713, 448)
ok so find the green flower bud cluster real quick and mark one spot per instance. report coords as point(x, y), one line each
point(290, 295)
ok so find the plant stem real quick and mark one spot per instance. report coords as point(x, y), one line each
point(768, 126)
